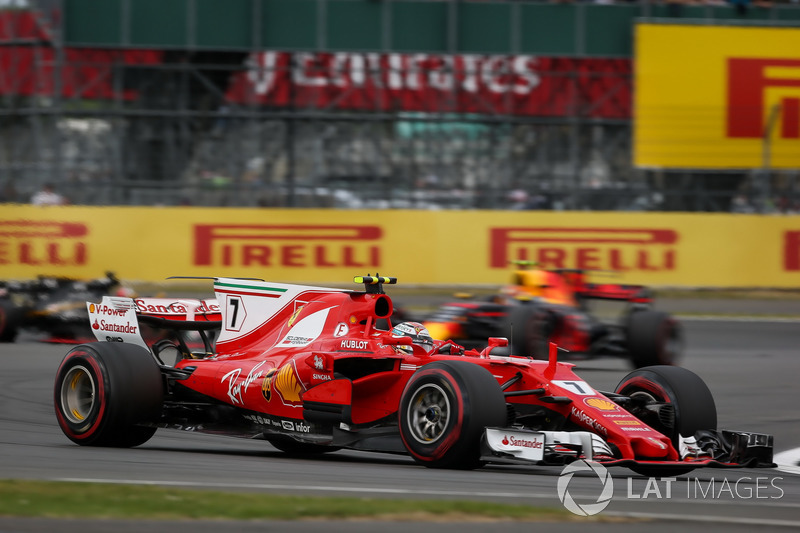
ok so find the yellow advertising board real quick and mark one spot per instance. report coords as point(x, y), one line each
point(706, 95)
point(419, 247)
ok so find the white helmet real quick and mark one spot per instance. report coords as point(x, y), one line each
point(418, 333)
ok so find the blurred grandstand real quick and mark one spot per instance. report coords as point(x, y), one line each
point(515, 105)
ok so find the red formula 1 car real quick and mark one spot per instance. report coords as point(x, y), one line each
point(542, 306)
point(306, 369)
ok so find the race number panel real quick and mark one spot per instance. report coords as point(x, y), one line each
point(236, 312)
point(578, 387)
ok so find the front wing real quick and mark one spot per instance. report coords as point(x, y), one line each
point(720, 449)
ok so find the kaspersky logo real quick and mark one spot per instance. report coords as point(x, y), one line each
point(619, 249)
point(43, 243)
point(290, 246)
point(755, 85)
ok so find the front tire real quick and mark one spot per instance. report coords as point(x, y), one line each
point(106, 393)
point(11, 318)
point(653, 338)
point(689, 406)
point(528, 329)
point(443, 412)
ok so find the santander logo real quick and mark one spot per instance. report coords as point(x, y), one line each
point(521, 443)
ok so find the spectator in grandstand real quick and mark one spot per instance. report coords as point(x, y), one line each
point(47, 195)
point(742, 6)
point(740, 204)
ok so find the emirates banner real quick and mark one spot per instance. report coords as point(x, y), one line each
point(509, 85)
point(480, 84)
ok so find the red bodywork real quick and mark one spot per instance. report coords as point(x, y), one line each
point(307, 368)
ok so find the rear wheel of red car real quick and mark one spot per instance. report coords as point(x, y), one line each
point(443, 412)
point(654, 338)
point(106, 394)
point(672, 400)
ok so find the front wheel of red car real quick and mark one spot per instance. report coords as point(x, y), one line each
point(672, 400)
point(108, 394)
point(443, 412)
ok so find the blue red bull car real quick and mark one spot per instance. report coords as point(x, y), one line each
point(307, 369)
point(541, 306)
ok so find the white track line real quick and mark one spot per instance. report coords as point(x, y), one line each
point(788, 461)
point(722, 318)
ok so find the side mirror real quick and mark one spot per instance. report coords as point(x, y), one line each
point(389, 340)
point(494, 342)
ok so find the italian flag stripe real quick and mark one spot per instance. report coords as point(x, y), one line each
point(240, 293)
point(248, 287)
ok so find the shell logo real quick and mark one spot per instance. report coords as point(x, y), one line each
point(287, 385)
point(601, 404)
point(91, 308)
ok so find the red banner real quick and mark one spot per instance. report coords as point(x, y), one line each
point(482, 84)
point(508, 85)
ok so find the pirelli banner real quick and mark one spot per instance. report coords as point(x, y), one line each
point(419, 247)
point(707, 97)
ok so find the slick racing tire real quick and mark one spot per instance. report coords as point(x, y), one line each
point(528, 329)
point(106, 392)
point(688, 406)
point(443, 412)
point(653, 338)
point(10, 321)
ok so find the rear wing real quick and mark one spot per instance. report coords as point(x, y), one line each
point(117, 319)
point(636, 294)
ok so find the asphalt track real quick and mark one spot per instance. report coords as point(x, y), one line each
point(752, 367)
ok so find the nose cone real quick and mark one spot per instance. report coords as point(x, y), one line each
point(651, 447)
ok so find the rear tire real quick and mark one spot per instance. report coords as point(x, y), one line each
point(106, 394)
point(653, 338)
point(443, 412)
point(693, 406)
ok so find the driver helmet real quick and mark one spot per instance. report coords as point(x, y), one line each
point(418, 333)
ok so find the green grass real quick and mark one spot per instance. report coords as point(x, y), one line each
point(111, 501)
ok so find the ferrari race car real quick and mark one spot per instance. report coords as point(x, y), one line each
point(52, 305)
point(306, 369)
point(543, 306)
